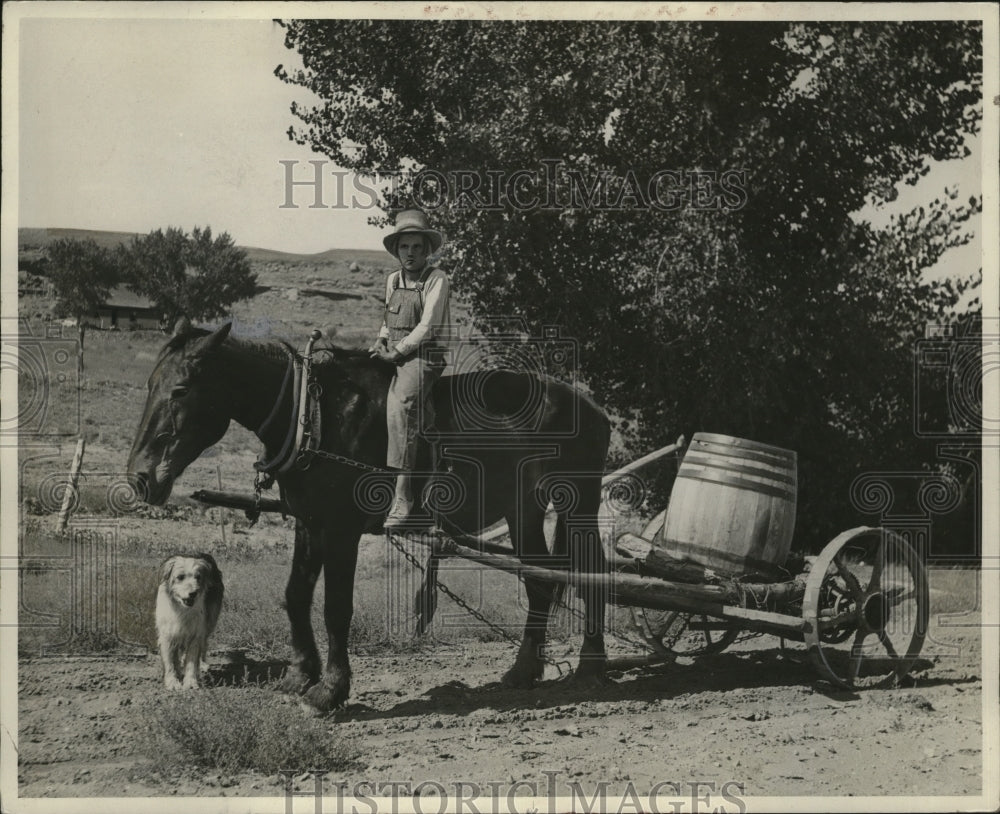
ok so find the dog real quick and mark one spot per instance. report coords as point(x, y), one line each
point(188, 604)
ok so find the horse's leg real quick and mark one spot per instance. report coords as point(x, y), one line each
point(306, 564)
point(587, 556)
point(527, 535)
point(340, 558)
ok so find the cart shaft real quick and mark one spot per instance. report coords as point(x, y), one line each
point(629, 590)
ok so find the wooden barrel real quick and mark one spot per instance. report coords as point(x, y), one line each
point(732, 507)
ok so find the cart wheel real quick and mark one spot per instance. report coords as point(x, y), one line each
point(653, 526)
point(672, 633)
point(686, 635)
point(867, 603)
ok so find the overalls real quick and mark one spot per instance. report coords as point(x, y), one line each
point(409, 407)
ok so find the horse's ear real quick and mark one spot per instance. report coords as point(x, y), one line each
point(213, 340)
point(182, 326)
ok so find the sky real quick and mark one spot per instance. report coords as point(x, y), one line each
point(133, 125)
point(137, 124)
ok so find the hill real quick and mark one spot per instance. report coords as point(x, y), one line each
point(338, 290)
point(29, 238)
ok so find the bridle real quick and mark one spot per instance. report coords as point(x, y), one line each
point(302, 437)
point(173, 436)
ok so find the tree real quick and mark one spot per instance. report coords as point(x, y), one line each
point(740, 293)
point(193, 276)
point(82, 274)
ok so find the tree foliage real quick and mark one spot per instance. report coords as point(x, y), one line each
point(769, 311)
point(82, 274)
point(188, 275)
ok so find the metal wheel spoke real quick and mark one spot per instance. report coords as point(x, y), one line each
point(708, 635)
point(830, 622)
point(849, 576)
point(898, 596)
point(876, 578)
point(854, 666)
point(887, 644)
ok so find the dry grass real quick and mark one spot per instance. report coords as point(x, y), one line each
point(272, 733)
point(253, 618)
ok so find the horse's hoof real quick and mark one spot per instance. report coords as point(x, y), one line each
point(520, 678)
point(590, 678)
point(326, 697)
point(295, 682)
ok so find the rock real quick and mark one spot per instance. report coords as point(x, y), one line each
point(569, 730)
point(354, 267)
point(292, 294)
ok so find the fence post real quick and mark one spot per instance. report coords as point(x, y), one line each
point(222, 512)
point(70, 493)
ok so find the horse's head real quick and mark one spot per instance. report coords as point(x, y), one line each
point(184, 413)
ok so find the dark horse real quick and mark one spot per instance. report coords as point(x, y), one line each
point(510, 441)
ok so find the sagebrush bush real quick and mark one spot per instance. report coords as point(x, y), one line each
point(239, 730)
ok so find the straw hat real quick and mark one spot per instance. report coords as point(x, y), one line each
point(412, 221)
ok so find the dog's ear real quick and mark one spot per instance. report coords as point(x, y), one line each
point(166, 569)
point(215, 590)
point(214, 574)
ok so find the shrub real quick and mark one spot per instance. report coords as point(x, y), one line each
point(241, 729)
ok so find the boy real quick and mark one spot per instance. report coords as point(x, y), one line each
point(416, 314)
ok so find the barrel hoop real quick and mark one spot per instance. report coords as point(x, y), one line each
point(739, 564)
point(738, 452)
point(741, 443)
point(716, 463)
point(738, 483)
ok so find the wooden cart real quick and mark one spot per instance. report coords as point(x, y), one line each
point(861, 606)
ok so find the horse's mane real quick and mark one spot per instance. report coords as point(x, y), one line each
point(275, 349)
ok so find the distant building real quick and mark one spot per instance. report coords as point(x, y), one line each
point(124, 310)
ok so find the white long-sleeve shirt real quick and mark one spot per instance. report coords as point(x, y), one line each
point(436, 319)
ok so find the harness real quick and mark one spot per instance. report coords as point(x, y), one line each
point(304, 433)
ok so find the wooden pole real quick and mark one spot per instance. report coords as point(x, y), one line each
point(70, 493)
point(501, 528)
point(82, 329)
point(222, 512)
point(633, 591)
point(641, 462)
point(235, 500)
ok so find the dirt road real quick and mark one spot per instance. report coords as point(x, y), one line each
point(754, 716)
